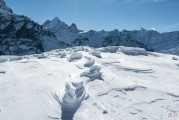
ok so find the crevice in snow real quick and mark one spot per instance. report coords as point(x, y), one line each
point(53, 117)
point(133, 88)
point(173, 95)
point(124, 90)
point(177, 65)
point(137, 70)
point(2, 72)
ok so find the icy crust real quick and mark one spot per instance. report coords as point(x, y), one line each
point(115, 86)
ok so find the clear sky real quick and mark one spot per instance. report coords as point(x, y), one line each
point(162, 15)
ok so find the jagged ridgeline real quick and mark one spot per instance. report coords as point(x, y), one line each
point(19, 35)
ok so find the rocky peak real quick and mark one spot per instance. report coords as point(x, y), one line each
point(4, 7)
point(2, 3)
point(73, 28)
point(55, 25)
point(56, 19)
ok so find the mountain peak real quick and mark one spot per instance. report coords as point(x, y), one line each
point(73, 28)
point(2, 2)
point(55, 24)
point(4, 7)
point(73, 25)
point(56, 19)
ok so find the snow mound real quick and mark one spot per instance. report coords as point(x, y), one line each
point(9, 58)
point(96, 53)
point(93, 73)
point(133, 51)
point(110, 49)
point(89, 63)
point(71, 98)
point(75, 56)
point(73, 95)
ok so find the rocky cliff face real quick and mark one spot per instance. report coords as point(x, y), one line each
point(20, 35)
point(112, 38)
point(62, 31)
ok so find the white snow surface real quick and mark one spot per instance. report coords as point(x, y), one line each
point(114, 86)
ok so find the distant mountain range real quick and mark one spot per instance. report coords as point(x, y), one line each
point(20, 35)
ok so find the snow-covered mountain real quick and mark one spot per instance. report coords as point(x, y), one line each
point(72, 36)
point(62, 31)
point(148, 39)
point(20, 35)
point(161, 42)
point(83, 83)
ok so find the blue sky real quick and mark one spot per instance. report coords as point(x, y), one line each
point(162, 15)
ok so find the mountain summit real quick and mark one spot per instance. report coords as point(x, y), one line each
point(63, 32)
point(4, 7)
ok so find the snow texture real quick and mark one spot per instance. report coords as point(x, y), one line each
point(117, 86)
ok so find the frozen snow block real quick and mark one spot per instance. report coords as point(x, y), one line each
point(75, 56)
point(110, 49)
point(89, 63)
point(133, 51)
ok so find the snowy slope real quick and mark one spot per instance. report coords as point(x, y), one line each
point(111, 83)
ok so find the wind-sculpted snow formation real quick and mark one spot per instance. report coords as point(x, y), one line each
point(111, 87)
